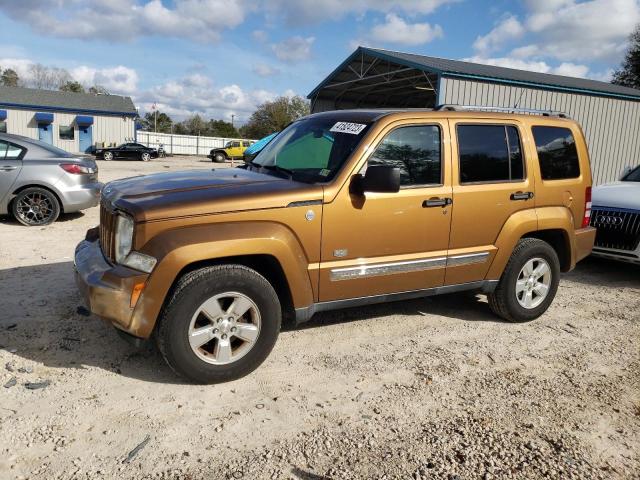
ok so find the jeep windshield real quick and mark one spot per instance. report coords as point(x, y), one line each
point(632, 176)
point(313, 149)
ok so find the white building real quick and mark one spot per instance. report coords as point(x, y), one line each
point(375, 78)
point(75, 122)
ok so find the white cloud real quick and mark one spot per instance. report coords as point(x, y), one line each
point(508, 29)
point(119, 79)
point(260, 36)
point(293, 49)
point(565, 68)
point(264, 70)
point(397, 30)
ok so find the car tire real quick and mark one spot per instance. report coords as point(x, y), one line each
point(219, 157)
point(108, 156)
point(529, 282)
point(145, 156)
point(35, 207)
point(199, 311)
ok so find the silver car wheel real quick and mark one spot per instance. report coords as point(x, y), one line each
point(533, 283)
point(35, 208)
point(224, 328)
point(146, 157)
point(107, 156)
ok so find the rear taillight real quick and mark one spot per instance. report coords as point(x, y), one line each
point(76, 169)
point(587, 208)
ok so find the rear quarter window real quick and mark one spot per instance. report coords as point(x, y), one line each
point(557, 153)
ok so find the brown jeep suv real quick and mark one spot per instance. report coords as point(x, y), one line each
point(340, 209)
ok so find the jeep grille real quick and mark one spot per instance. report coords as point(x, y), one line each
point(107, 231)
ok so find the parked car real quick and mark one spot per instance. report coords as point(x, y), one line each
point(255, 148)
point(341, 209)
point(127, 151)
point(232, 150)
point(616, 215)
point(38, 181)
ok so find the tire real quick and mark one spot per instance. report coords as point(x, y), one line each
point(35, 207)
point(108, 156)
point(145, 156)
point(509, 300)
point(216, 287)
point(219, 157)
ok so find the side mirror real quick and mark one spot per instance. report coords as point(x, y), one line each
point(625, 172)
point(377, 178)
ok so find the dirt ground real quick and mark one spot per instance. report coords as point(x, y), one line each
point(431, 388)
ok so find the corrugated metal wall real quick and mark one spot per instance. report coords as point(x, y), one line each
point(182, 144)
point(611, 126)
point(106, 129)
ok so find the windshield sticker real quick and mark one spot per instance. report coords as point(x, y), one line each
point(324, 172)
point(347, 127)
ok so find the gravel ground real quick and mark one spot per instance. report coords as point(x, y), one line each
point(431, 388)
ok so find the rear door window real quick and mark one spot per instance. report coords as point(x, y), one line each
point(9, 151)
point(490, 153)
point(557, 153)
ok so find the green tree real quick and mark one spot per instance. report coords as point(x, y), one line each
point(98, 90)
point(629, 73)
point(194, 125)
point(220, 128)
point(9, 78)
point(273, 116)
point(164, 122)
point(72, 86)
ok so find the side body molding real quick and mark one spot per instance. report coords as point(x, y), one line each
point(176, 249)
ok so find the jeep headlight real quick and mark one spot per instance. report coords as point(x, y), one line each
point(124, 237)
point(124, 244)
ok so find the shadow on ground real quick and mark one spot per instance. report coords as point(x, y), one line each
point(41, 319)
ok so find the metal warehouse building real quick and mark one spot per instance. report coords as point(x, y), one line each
point(374, 78)
point(75, 122)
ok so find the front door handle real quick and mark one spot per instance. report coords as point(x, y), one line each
point(522, 196)
point(437, 202)
point(8, 168)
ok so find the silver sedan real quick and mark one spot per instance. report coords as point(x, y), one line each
point(38, 181)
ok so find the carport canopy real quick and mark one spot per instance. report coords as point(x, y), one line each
point(370, 78)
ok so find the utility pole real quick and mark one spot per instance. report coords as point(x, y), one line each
point(232, 117)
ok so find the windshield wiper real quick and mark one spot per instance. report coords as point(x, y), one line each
point(278, 168)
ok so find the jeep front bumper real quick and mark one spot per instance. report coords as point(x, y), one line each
point(106, 288)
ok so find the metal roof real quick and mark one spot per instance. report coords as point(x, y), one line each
point(476, 71)
point(53, 100)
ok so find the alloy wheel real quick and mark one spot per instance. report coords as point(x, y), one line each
point(533, 283)
point(146, 157)
point(224, 328)
point(107, 156)
point(35, 208)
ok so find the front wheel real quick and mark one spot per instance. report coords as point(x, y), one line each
point(145, 157)
point(219, 157)
point(529, 282)
point(108, 156)
point(220, 324)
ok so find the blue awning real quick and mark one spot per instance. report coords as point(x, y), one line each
point(42, 117)
point(84, 120)
point(3, 115)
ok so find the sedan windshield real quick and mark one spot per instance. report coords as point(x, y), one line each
point(312, 149)
point(632, 176)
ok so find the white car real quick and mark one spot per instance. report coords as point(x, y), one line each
point(615, 213)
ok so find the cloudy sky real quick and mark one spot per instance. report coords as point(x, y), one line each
point(219, 57)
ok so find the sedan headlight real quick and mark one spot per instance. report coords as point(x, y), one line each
point(124, 244)
point(124, 237)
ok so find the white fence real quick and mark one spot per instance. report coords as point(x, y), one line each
point(181, 144)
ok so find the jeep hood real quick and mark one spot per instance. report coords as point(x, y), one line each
point(202, 192)
point(617, 195)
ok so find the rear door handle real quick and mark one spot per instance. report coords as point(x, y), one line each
point(437, 202)
point(522, 196)
point(8, 168)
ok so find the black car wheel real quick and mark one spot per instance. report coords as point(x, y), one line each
point(35, 207)
point(145, 156)
point(107, 156)
point(219, 157)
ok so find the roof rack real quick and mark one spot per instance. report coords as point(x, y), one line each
point(531, 111)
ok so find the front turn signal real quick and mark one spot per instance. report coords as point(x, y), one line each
point(135, 293)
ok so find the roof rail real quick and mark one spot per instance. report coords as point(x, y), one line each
point(532, 111)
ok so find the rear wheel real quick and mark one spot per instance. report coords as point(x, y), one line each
point(529, 282)
point(107, 156)
point(145, 156)
point(220, 324)
point(35, 207)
